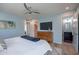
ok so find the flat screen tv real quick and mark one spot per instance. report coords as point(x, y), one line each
point(46, 26)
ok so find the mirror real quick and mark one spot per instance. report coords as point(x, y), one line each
point(7, 24)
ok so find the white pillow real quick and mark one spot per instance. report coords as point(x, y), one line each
point(10, 41)
point(3, 44)
point(13, 41)
point(1, 48)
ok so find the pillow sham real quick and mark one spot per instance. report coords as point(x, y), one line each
point(30, 38)
point(3, 44)
point(1, 48)
point(13, 41)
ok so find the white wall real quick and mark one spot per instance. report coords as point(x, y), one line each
point(57, 29)
point(75, 34)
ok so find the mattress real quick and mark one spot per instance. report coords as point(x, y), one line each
point(20, 46)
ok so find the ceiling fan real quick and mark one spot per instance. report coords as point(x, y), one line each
point(30, 11)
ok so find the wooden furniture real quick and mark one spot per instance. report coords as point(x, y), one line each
point(45, 35)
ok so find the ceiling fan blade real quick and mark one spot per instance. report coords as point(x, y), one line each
point(26, 7)
point(29, 9)
point(36, 12)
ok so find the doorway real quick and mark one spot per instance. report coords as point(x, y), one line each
point(67, 31)
point(31, 28)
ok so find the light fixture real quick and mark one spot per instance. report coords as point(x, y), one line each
point(74, 20)
point(67, 21)
point(67, 8)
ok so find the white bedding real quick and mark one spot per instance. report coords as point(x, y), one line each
point(20, 46)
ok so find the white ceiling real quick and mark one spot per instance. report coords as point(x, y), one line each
point(45, 9)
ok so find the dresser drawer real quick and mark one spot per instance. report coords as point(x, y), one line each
point(45, 35)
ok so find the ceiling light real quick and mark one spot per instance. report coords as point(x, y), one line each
point(67, 8)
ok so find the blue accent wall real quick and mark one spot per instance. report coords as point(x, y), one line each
point(8, 33)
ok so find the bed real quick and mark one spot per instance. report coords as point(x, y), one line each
point(21, 46)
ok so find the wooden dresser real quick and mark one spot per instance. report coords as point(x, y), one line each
point(45, 35)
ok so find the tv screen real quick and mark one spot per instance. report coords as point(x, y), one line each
point(46, 26)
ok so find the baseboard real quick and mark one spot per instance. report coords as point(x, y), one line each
point(57, 45)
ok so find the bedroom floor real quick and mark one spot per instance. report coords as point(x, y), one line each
point(68, 49)
point(65, 49)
